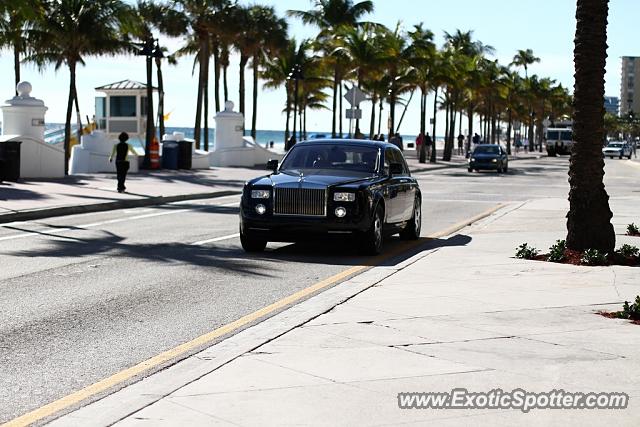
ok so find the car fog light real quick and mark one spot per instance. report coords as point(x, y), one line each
point(341, 212)
point(261, 209)
point(494, 160)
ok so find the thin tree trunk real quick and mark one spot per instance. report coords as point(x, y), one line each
point(16, 66)
point(380, 106)
point(254, 115)
point(287, 132)
point(432, 158)
point(241, 87)
point(198, 124)
point(225, 85)
point(304, 132)
point(67, 123)
point(160, 97)
point(340, 112)
point(446, 132)
point(78, 119)
point(470, 130)
point(334, 102)
point(372, 125)
point(216, 77)
point(509, 124)
point(589, 217)
point(206, 99)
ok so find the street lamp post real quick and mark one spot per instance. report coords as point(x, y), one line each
point(150, 49)
point(296, 75)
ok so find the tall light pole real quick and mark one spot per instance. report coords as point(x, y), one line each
point(296, 75)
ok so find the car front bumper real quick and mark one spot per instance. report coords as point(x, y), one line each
point(484, 165)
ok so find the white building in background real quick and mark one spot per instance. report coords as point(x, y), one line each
point(123, 108)
point(612, 105)
point(629, 82)
point(234, 149)
point(23, 120)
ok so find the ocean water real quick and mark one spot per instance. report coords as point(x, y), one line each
point(54, 133)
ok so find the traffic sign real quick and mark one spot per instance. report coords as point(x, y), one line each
point(355, 96)
point(354, 113)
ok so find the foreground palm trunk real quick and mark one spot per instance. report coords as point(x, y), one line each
point(589, 218)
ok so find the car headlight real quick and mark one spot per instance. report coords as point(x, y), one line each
point(344, 197)
point(260, 194)
point(473, 159)
point(494, 160)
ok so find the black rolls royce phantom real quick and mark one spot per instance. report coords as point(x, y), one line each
point(332, 188)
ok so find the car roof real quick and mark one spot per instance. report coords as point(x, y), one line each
point(360, 142)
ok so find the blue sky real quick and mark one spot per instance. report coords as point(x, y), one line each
point(546, 26)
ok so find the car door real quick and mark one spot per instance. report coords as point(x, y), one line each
point(392, 194)
point(407, 188)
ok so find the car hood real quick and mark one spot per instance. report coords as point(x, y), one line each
point(319, 179)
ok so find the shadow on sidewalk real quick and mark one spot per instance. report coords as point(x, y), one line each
point(221, 258)
point(10, 193)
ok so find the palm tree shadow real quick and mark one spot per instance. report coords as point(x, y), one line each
point(220, 258)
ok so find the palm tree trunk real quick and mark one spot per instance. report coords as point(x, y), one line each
point(432, 158)
point(509, 124)
point(216, 77)
point(160, 97)
point(380, 115)
point(447, 122)
point(241, 87)
point(470, 130)
point(198, 124)
point(78, 118)
point(16, 66)
point(340, 112)
point(67, 123)
point(372, 124)
point(589, 217)
point(335, 102)
point(225, 86)
point(254, 115)
point(287, 132)
point(304, 132)
point(206, 99)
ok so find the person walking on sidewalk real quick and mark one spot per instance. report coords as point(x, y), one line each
point(121, 151)
point(460, 144)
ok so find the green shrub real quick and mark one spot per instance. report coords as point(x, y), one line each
point(632, 229)
point(630, 311)
point(524, 251)
point(628, 251)
point(593, 257)
point(556, 252)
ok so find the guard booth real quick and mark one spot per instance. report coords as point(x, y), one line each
point(123, 108)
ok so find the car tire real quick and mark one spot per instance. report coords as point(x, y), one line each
point(551, 152)
point(629, 157)
point(412, 230)
point(252, 244)
point(374, 237)
point(620, 156)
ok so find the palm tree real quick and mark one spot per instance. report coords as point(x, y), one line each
point(70, 30)
point(330, 16)
point(421, 55)
point(589, 217)
point(277, 69)
point(14, 16)
point(524, 58)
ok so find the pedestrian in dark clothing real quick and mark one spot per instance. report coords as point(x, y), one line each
point(476, 139)
point(121, 151)
point(460, 144)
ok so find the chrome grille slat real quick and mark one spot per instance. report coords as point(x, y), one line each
point(300, 201)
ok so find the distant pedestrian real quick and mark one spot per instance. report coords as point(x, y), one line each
point(419, 143)
point(429, 145)
point(460, 144)
point(121, 152)
point(476, 139)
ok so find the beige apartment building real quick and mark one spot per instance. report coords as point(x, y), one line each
point(630, 85)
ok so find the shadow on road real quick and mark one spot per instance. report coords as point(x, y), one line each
point(222, 258)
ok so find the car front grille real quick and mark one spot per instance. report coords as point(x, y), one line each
point(300, 201)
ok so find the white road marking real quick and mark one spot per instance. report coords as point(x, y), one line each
point(236, 204)
point(216, 239)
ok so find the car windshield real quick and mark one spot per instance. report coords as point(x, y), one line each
point(354, 159)
point(615, 145)
point(487, 149)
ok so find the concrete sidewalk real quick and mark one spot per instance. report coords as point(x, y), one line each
point(461, 313)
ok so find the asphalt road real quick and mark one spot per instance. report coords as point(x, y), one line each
point(86, 296)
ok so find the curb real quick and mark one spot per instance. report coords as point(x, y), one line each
point(30, 215)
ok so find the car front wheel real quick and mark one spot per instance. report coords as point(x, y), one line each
point(374, 237)
point(252, 244)
point(412, 229)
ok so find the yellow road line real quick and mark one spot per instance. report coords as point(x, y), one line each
point(183, 349)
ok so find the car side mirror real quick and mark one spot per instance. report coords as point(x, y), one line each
point(395, 169)
point(272, 165)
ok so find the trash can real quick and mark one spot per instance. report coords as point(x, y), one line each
point(10, 160)
point(170, 153)
point(184, 159)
